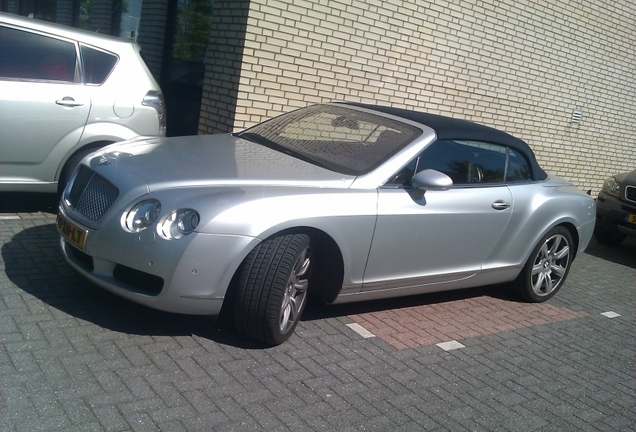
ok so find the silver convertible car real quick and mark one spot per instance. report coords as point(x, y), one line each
point(343, 201)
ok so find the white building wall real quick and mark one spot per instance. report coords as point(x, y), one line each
point(522, 66)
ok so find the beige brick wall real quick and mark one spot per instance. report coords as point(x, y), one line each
point(521, 66)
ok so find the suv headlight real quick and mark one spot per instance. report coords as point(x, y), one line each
point(179, 223)
point(142, 215)
point(612, 187)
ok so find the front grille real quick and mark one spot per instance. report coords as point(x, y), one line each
point(630, 193)
point(91, 194)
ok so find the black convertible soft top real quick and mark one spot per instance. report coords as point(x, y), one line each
point(448, 128)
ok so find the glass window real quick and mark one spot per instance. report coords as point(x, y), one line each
point(338, 138)
point(518, 168)
point(465, 162)
point(25, 55)
point(97, 64)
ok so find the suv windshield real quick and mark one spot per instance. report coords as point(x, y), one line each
point(335, 137)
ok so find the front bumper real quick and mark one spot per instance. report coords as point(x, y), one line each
point(615, 215)
point(190, 275)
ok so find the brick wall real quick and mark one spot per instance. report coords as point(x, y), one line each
point(152, 32)
point(522, 66)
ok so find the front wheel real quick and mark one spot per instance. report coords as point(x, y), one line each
point(608, 236)
point(549, 264)
point(272, 288)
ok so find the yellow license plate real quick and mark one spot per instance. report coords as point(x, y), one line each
point(71, 232)
point(631, 218)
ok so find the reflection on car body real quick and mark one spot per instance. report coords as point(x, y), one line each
point(344, 201)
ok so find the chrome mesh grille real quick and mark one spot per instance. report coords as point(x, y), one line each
point(630, 193)
point(91, 194)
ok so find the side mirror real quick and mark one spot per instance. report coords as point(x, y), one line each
point(432, 180)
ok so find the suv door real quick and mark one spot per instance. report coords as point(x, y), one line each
point(43, 107)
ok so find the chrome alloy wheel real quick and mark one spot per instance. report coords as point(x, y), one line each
point(550, 265)
point(295, 292)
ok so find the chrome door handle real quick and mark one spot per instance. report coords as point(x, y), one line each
point(500, 205)
point(68, 101)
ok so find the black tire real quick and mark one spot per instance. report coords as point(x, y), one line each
point(548, 266)
point(272, 288)
point(607, 236)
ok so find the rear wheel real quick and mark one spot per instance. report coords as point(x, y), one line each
point(272, 288)
point(548, 266)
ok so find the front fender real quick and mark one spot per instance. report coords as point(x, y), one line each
point(347, 216)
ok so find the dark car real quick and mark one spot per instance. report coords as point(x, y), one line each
point(616, 209)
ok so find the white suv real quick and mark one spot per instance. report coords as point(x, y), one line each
point(64, 93)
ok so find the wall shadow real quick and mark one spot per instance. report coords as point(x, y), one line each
point(223, 65)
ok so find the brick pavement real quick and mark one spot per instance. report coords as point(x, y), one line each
point(75, 358)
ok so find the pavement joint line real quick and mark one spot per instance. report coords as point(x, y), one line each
point(450, 345)
point(361, 330)
point(610, 314)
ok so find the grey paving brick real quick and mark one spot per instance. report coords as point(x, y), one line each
point(73, 357)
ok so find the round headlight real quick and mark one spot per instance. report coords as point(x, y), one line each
point(142, 215)
point(178, 223)
point(612, 187)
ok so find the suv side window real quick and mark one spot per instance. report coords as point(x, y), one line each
point(97, 64)
point(31, 56)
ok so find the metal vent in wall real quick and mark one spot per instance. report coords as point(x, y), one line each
point(577, 116)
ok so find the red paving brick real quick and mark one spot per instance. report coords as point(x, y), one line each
point(415, 326)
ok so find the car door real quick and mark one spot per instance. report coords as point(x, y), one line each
point(436, 237)
point(42, 106)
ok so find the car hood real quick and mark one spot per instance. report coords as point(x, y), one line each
point(626, 178)
point(208, 160)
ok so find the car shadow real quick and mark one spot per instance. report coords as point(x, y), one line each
point(28, 202)
point(623, 254)
point(34, 263)
point(316, 310)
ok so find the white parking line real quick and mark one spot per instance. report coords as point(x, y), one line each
point(450, 345)
point(7, 217)
point(360, 330)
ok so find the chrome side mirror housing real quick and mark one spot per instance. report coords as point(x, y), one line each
point(432, 180)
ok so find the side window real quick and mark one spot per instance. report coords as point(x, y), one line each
point(97, 64)
point(465, 162)
point(518, 168)
point(25, 55)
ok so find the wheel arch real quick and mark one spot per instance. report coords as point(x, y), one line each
point(66, 169)
point(326, 256)
point(574, 233)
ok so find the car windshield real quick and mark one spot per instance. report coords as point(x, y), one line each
point(334, 137)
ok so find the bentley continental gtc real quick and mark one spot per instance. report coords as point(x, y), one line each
point(341, 201)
